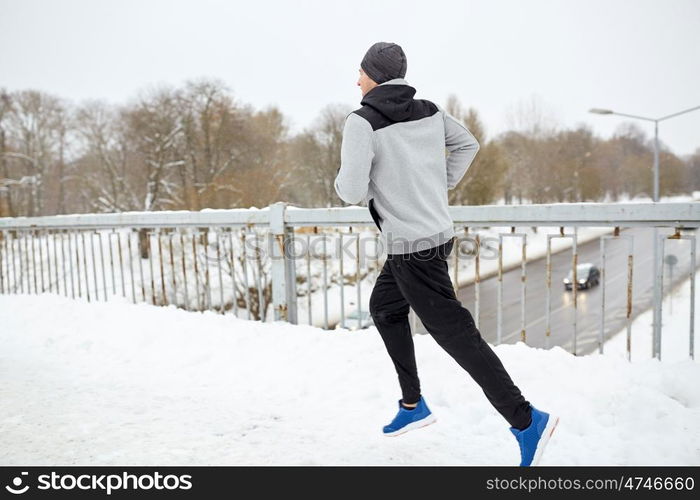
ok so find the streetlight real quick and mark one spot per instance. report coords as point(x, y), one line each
point(656, 121)
point(656, 340)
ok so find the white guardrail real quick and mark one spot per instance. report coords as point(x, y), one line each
point(274, 263)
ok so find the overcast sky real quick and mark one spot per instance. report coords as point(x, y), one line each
point(637, 57)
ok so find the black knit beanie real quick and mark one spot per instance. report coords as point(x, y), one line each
point(384, 61)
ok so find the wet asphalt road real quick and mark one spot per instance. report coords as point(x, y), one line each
point(588, 311)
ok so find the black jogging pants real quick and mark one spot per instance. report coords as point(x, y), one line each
point(421, 280)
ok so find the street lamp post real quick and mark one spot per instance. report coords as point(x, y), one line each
point(656, 334)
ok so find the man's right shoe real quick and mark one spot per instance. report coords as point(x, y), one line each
point(534, 438)
point(406, 420)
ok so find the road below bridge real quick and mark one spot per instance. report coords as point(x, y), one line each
point(589, 301)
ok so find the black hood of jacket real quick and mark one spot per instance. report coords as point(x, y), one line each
point(395, 101)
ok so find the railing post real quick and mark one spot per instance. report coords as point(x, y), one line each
point(283, 271)
point(290, 271)
point(657, 300)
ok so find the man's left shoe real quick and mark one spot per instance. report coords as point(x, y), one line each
point(533, 439)
point(406, 420)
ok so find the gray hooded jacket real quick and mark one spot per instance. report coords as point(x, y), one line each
point(393, 159)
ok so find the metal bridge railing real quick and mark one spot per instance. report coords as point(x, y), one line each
point(314, 266)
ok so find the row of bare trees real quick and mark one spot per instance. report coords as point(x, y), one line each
point(196, 147)
point(539, 162)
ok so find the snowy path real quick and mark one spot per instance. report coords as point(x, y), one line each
point(119, 383)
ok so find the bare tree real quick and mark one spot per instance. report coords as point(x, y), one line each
point(153, 128)
point(306, 159)
point(532, 117)
point(485, 175)
point(325, 153)
point(263, 172)
point(105, 155)
point(693, 164)
point(526, 150)
point(5, 181)
point(34, 120)
point(195, 147)
point(213, 144)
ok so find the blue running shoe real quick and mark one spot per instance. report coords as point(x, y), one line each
point(406, 420)
point(533, 439)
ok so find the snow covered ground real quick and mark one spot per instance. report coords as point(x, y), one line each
point(122, 383)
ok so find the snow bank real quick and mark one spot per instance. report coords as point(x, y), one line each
point(118, 383)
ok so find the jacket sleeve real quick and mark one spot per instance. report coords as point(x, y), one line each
point(462, 147)
point(356, 155)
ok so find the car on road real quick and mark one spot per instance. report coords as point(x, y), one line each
point(587, 276)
